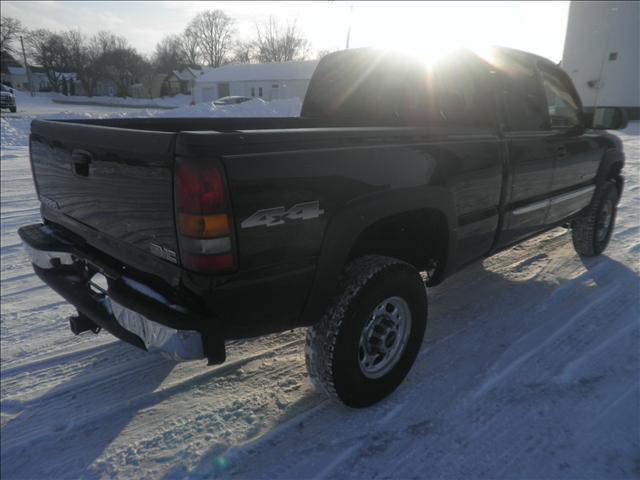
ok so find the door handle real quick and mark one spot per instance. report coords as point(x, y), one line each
point(561, 152)
point(80, 161)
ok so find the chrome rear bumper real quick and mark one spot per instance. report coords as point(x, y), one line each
point(177, 344)
point(129, 309)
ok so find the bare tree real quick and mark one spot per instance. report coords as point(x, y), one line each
point(244, 52)
point(10, 30)
point(190, 46)
point(169, 54)
point(98, 48)
point(147, 78)
point(77, 56)
point(124, 66)
point(103, 42)
point(48, 50)
point(277, 43)
point(214, 30)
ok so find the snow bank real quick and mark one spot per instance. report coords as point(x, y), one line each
point(15, 128)
point(253, 108)
point(15, 131)
point(25, 99)
point(167, 102)
point(180, 105)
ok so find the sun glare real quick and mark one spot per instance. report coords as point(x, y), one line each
point(428, 30)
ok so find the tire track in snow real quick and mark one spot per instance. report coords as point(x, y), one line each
point(499, 373)
point(101, 383)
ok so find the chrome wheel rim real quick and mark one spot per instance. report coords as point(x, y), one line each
point(384, 337)
point(604, 220)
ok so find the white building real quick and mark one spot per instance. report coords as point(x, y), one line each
point(268, 81)
point(18, 78)
point(602, 53)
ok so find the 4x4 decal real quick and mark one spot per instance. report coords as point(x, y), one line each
point(270, 217)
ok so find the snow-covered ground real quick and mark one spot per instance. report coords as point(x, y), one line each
point(51, 102)
point(530, 369)
point(16, 126)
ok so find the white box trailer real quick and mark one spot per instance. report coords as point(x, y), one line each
point(602, 53)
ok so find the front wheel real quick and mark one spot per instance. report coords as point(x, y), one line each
point(367, 341)
point(591, 231)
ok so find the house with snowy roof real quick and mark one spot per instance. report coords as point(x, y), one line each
point(182, 81)
point(268, 81)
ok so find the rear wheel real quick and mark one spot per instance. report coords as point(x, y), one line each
point(591, 231)
point(367, 341)
point(12, 109)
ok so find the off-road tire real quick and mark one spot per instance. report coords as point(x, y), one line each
point(332, 345)
point(584, 228)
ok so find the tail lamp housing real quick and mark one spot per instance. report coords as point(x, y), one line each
point(203, 216)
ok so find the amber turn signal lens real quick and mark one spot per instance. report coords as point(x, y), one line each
point(204, 226)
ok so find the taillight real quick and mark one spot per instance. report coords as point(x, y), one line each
point(203, 216)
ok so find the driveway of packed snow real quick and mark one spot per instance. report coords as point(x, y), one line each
point(529, 370)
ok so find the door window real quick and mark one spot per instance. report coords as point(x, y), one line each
point(562, 106)
point(461, 91)
point(524, 105)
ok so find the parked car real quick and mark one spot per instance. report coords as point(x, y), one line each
point(7, 98)
point(179, 234)
point(234, 100)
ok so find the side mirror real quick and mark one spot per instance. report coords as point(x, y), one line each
point(609, 118)
point(11, 90)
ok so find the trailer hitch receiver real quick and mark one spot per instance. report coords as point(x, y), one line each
point(81, 323)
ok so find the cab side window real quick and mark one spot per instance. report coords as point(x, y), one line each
point(523, 101)
point(453, 93)
point(463, 98)
point(562, 107)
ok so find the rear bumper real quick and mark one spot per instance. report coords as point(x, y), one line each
point(128, 308)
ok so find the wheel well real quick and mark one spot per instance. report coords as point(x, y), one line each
point(417, 237)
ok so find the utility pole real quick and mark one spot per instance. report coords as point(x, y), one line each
point(349, 28)
point(26, 67)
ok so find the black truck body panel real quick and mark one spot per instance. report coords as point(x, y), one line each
point(124, 203)
point(488, 187)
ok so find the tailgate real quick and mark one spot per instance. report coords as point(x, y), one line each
point(115, 184)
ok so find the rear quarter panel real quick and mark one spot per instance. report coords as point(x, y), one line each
point(356, 182)
point(469, 170)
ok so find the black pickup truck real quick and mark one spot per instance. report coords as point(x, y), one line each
point(178, 234)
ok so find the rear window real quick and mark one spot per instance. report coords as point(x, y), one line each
point(370, 86)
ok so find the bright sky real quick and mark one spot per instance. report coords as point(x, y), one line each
point(537, 27)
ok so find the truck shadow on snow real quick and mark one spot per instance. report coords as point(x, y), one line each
point(61, 433)
point(523, 353)
point(506, 338)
